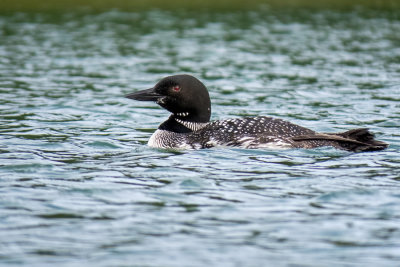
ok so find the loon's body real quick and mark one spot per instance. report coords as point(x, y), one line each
point(189, 126)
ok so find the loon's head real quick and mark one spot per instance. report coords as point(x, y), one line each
point(183, 95)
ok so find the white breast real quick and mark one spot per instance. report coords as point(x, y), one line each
point(167, 139)
point(156, 139)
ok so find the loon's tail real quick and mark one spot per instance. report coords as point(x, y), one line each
point(355, 140)
point(365, 140)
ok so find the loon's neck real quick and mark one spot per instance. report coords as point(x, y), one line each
point(179, 125)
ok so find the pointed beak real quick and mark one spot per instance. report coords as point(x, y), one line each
point(144, 95)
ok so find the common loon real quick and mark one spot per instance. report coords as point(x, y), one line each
point(189, 126)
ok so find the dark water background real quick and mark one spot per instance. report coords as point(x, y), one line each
point(79, 186)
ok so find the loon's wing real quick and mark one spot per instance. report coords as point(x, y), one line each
point(326, 137)
point(261, 125)
point(250, 132)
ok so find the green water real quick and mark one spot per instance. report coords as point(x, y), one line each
point(79, 186)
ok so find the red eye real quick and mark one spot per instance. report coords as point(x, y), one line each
point(176, 88)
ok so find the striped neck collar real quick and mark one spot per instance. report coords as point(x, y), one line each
point(194, 126)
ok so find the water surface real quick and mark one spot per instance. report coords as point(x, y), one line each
point(80, 187)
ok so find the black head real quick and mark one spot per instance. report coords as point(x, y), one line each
point(183, 95)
